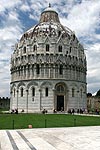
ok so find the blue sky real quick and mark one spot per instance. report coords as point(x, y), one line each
point(81, 16)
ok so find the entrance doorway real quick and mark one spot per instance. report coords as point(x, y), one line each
point(60, 103)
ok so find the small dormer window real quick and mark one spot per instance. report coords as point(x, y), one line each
point(59, 33)
point(34, 47)
point(24, 49)
point(73, 37)
point(47, 47)
point(59, 48)
point(66, 52)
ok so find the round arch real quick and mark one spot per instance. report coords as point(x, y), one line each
point(61, 96)
point(48, 84)
point(21, 84)
point(31, 84)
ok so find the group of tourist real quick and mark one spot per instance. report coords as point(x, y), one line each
point(14, 111)
point(79, 111)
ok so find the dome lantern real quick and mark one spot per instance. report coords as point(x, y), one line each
point(49, 14)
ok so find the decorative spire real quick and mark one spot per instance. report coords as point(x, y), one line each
point(49, 5)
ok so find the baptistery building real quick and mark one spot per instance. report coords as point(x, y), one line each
point(48, 68)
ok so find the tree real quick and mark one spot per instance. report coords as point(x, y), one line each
point(98, 93)
point(89, 94)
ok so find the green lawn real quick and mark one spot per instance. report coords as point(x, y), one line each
point(18, 121)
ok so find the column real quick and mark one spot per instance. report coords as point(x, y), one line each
point(49, 70)
point(26, 72)
point(23, 75)
point(17, 99)
point(54, 71)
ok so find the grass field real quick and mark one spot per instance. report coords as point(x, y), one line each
point(21, 121)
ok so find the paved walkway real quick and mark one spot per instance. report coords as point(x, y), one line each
point(75, 138)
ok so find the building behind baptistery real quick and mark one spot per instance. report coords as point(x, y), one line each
point(48, 68)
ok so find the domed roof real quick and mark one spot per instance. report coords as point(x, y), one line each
point(49, 24)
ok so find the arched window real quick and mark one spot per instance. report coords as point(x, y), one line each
point(61, 69)
point(81, 93)
point(73, 92)
point(47, 47)
point(59, 48)
point(19, 70)
point(73, 37)
point(21, 92)
point(24, 50)
point(46, 91)
point(33, 91)
point(14, 92)
point(34, 47)
point(70, 49)
point(24, 70)
point(66, 52)
point(37, 69)
point(28, 70)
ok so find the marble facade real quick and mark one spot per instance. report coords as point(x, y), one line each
point(48, 68)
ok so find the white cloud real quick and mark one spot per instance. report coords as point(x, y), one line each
point(93, 71)
point(9, 4)
point(10, 31)
point(83, 18)
point(25, 7)
point(13, 16)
